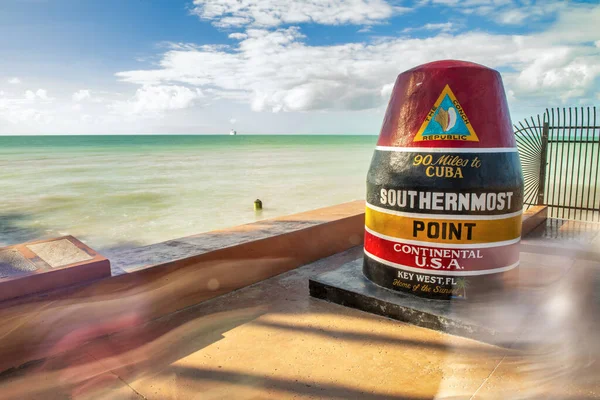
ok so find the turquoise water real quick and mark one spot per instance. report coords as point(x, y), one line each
point(121, 191)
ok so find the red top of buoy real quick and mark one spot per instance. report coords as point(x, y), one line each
point(448, 103)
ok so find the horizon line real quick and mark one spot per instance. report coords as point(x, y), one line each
point(186, 134)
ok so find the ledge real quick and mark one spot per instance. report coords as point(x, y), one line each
point(532, 218)
point(145, 257)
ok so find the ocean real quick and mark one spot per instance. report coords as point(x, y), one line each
point(116, 192)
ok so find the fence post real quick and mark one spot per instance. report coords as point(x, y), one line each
point(543, 164)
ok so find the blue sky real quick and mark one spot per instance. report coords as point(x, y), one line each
point(273, 66)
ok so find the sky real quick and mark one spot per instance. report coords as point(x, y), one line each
point(274, 66)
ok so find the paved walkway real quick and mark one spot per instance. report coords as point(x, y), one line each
point(271, 340)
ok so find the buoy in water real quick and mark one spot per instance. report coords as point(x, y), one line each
point(257, 205)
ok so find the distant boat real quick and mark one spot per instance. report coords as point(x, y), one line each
point(233, 132)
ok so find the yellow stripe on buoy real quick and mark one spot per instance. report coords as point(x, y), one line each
point(444, 230)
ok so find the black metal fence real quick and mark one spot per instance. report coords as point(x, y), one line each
point(560, 155)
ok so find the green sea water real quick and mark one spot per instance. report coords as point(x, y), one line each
point(126, 191)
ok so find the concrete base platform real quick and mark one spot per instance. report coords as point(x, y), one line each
point(495, 319)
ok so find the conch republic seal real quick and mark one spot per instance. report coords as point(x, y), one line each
point(445, 187)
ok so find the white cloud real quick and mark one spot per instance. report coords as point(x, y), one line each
point(274, 70)
point(575, 25)
point(232, 120)
point(271, 13)
point(471, 4)
point(514, 16)
point(442, 27)
point(40, 94)
point(81, 95)
point(238, 36)
point(529, 12)
point(506, 12)
point(26, 110)
point(14, 81)
point(561, 74)
point(386, 90)
point(154, 100)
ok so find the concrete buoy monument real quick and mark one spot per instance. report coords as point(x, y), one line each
point(443, 209)
point(445, 187)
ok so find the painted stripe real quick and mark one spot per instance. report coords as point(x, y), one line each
point(425, 257)
point(446, 229)
point(445, 216)
point(443, 245)
point(444, 273)
point(447, 149)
